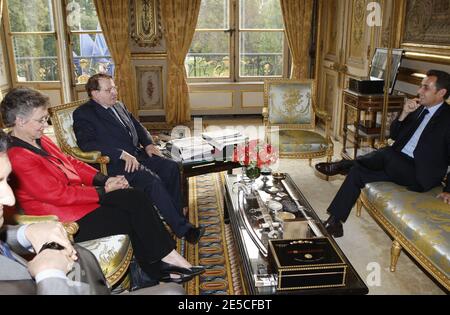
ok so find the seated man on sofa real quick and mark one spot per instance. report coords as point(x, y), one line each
point(418, 159)
point(104, 124)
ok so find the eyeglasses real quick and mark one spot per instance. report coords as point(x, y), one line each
point(44, 120)
point(110, 89)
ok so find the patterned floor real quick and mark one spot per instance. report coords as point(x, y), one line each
point(216, 249)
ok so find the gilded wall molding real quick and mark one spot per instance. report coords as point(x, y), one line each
point(427, 30)
point(146, 22)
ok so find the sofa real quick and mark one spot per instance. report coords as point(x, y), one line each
point(418, 223)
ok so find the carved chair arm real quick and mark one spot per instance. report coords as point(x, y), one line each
point(322, 114)
point(91, 157)
point(70, 227)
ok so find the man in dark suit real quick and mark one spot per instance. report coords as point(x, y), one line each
point(104, 124)
point(418, 159)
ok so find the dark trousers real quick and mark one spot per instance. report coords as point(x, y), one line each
point(129, 211)
point(159, 178)
point(382, 165)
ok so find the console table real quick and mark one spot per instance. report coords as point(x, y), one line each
point(357, 105)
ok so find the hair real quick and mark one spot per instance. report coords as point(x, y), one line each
point(21, 102)
point(442, 82)
point(3, 142)
point(93, 82)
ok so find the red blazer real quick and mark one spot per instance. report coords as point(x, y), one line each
point(52, 183)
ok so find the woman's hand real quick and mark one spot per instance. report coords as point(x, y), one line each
point(115, 183)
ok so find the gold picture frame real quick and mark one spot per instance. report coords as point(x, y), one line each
point(149, 87)
point(425, 36)
point(146, 22)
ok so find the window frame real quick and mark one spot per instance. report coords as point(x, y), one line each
point(10, 46)
point(69, 33)
point(234, 36)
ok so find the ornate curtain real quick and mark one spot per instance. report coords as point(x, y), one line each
point(179, 19)
point(297, 16)
point(113, 17)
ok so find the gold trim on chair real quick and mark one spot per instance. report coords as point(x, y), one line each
point(92, 157)
point(400, 241)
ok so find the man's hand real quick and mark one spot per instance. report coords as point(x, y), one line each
point(131, 164)
point(152, 149)
point(115, 183)
point(50, 259)
point(40, 233)
point(409, 107)
point(445, 196)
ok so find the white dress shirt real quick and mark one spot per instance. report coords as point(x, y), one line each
point(409, 148)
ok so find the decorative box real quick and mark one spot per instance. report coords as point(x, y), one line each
point(306, 264)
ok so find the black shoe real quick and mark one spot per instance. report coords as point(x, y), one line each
point(185, 274)
point(334, 168)
point(334, 227)
point(194, 234)
point(178, 280)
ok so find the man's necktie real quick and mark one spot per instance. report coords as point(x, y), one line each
point(418, 122)
point(413, 128)
point(116, 116)
point(5, 250)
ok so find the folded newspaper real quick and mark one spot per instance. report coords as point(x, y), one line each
point(190, 149)
point(225, 137)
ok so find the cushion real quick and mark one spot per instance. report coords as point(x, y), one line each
point(113, 253)
point(300, 141)
point(421, 218)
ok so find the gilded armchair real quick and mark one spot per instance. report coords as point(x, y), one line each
point(113, 253)
point(289, 115)
point(62, 121)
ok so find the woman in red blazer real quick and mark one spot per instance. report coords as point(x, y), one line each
point(46, 181)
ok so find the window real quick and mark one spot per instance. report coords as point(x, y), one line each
point(89, 52)
point(238, 40)
point(33, 36)
point(34, 39)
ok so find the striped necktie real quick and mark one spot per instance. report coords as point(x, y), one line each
point(116, 115)
point(6, 251)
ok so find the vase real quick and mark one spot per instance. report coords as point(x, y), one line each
point(252, 172)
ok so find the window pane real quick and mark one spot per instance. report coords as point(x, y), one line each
point(31, 15)
point(213, 14)
point(209, 55)
point(261, 54)
point(90, 56)
point(36, 58)
point(82, 15)
point(260, 14)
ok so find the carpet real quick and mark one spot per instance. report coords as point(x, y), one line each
point(215, 250)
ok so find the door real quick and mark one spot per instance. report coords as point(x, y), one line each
point(345, 52)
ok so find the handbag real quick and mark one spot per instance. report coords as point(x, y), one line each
point(140, 279)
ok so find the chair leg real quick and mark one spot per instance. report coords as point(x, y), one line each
point(395, 253)
point(310, 162)
point(359, 205)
